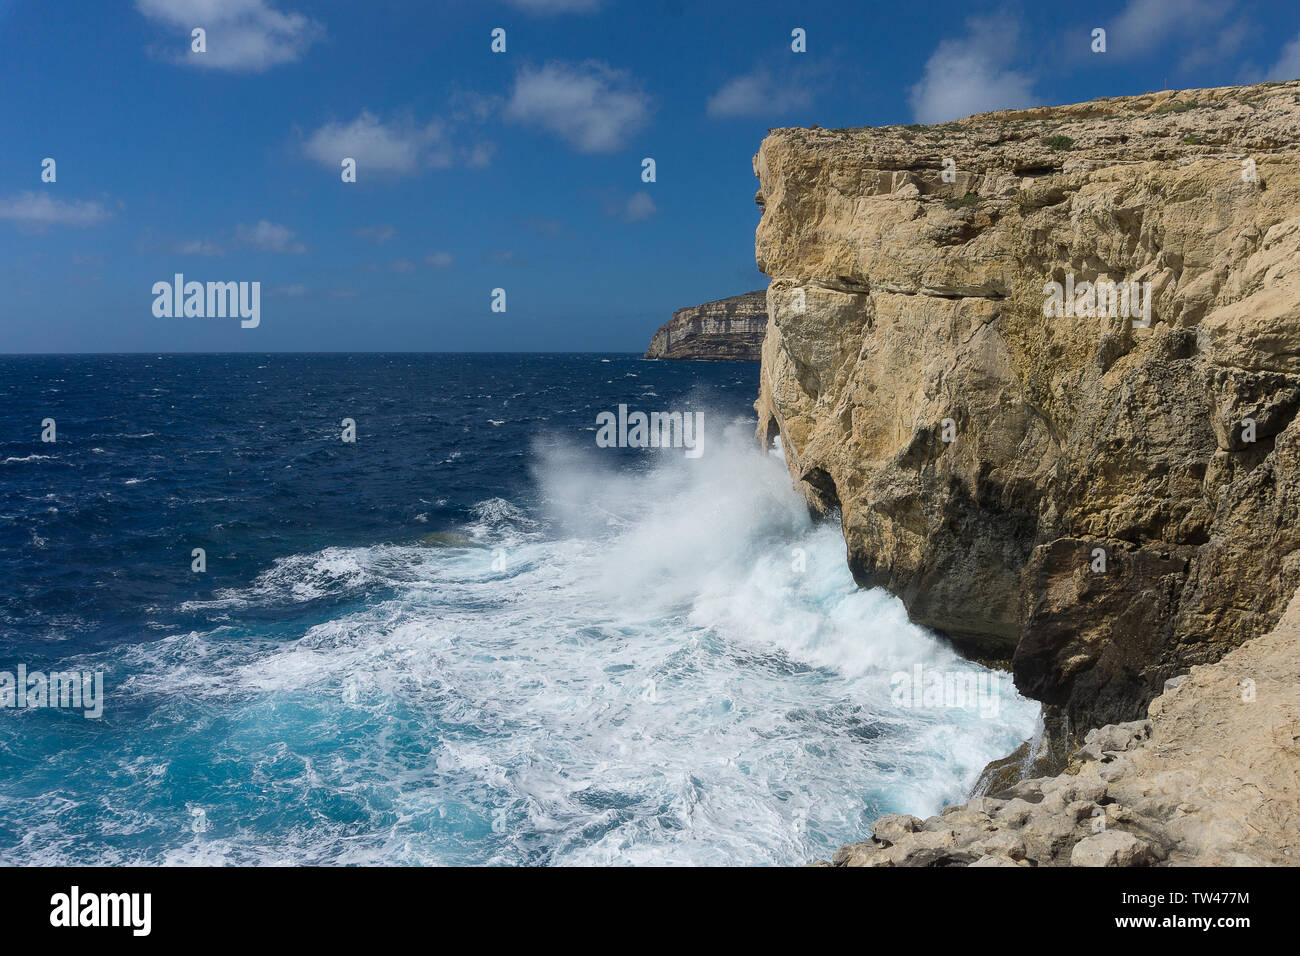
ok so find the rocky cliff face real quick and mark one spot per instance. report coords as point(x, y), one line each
point(1106, 501)
point(729, 329)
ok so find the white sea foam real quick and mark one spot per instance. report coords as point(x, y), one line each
point(664, 664)
point(636, 672)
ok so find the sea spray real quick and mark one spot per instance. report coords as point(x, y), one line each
point(671, 664)
point(649, 680)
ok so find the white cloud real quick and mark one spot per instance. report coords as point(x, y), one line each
point(402, 266)
point(970, 75)
point(636, 208)
point(400, 146)
point(439, 260)
point(552, 7)
point(1224, 44)
point(479, 155)
point(198, 247)
point(41, 209)
point(1208, 32)
point(289, 291)
point(1288, 65)
point(378, 234)
point(371, 143)
point(759, 94)
point(264, 236)
point(269, 237)
point(592, 107)
point(242, 35)
point(470, 106)
point(1145, 24)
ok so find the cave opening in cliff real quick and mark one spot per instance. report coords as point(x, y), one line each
point(822, 493)
point(771, 434)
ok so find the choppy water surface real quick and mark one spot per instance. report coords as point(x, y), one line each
point(471, 637)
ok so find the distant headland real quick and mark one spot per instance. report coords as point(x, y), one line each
point(726, 330)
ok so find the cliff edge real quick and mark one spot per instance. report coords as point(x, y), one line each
point(729, 329)
point(1045, 365)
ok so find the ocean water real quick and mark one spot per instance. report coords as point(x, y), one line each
point(470, 637)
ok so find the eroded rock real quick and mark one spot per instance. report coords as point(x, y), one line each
point(982, 455)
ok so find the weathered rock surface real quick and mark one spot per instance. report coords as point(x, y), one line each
point(904, 309)
point(726, 330)
point(1212, 778)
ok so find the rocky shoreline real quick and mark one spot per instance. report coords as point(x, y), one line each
point(1212, 778)
point(1044, 365)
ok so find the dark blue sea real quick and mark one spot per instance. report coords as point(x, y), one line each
point(472, 636)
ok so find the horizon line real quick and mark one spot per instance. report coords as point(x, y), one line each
point(335, 352)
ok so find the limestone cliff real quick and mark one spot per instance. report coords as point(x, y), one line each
point(983, 456)
point(729, 329)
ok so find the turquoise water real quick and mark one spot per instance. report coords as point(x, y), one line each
point(473, 637)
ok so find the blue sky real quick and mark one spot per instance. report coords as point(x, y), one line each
point(477, 170)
